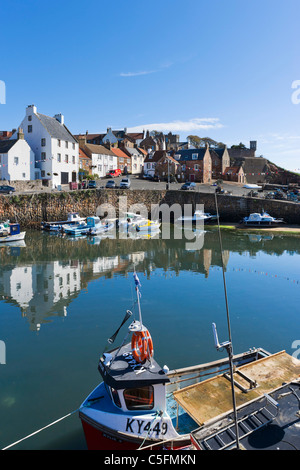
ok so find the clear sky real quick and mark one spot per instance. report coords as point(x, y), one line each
point(214, 68)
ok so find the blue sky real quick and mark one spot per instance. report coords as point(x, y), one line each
point(213, 68)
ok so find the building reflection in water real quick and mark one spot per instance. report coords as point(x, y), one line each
point(44, 276)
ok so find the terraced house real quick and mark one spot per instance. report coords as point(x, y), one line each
point(196, 165)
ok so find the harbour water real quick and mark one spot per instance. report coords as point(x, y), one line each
point(61, 299)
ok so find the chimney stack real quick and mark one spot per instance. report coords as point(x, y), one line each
point(60, 118)
point(20, 134)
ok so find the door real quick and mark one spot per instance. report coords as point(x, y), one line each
point(192, 178)
point(64, 177)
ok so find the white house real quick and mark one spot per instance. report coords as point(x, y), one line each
point(56, 149)
point(103, 159)
point(137, 159)
point(16, 159)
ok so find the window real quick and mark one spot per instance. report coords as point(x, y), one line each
point(115, 397)
point(43, 173)
point(99, 168)
point(58, 142)
point(23, 175)
point(66, 158)
point(177, 156)
point(194, 156)
point(29, 129)
point(139, 398)
point(43, 156)
point(73, 159)
point(73, 146)
point(67, 144)
point(59, 157)
point(43, 142)
point(29, 118)
point(16, 160)
point(196, 167)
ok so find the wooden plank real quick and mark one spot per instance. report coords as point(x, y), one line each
point(212, 397)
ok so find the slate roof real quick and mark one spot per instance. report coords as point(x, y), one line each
point(6, 145)
point(56, 129)
point(156, 156)
point(186, 154)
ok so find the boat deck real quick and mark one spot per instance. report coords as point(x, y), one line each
point(251, 382)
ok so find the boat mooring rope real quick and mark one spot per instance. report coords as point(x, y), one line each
point(39, 430)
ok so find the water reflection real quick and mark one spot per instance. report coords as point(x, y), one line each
point(43, 276)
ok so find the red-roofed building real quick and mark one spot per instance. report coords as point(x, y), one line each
point(85, 162)
point(124, 160)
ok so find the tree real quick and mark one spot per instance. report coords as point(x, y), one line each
point(200, 142)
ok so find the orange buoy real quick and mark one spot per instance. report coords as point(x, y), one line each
point(141, 345)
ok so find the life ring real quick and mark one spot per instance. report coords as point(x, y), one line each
point(141, 345)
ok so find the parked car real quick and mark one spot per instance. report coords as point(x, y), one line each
point(114, 173)
point(125, 183)
point(188, 186)
point(7, 189)
point(111, 184)
point(92, 184)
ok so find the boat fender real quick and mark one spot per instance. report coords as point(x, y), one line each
point(142, 345)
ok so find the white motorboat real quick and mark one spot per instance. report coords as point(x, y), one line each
point(138, 223)
point(198, 216)
point(261, 220)
point(73, 219)
point(12, 233)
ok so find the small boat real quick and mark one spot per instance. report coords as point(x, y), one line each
point(198, 216)
point(92, 223)
point(105, 226)
point(11, 233)
point(138, 223)
point(73, 219)
point(4, 227)
point(141, 405)
point(261, 220)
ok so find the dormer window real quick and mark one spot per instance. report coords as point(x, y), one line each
point(194, 156)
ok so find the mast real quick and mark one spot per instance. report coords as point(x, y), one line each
point(228, 344)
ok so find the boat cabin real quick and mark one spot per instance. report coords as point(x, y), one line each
point(132, 385)
point(92, 221)
point(14, 229)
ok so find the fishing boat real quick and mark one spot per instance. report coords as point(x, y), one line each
point(11, 233)
point(92, 223)
point(218, 405)
point(261, 220)
point(72, 219)
point(198, 216)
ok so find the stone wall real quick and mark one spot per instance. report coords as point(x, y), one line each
point(31, 209)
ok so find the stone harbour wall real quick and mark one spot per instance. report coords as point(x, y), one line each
point(31, 209)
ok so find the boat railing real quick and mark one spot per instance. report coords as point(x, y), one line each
point(169, 444)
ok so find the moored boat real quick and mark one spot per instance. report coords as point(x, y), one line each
point(102, 228)
point(92, 223)
point(262, 219)
point(140, 404)
point(73, 219)
point(136, 222)
point(11, 233)
point(198, 216)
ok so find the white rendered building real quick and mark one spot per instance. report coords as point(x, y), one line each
point(16, 159)
point(56, 149)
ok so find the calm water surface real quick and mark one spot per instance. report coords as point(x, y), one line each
point(61, 299)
